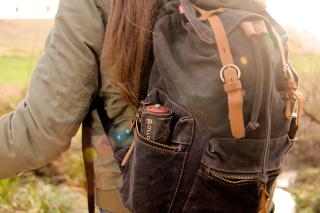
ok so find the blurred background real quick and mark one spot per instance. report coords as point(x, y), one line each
point(58, 187)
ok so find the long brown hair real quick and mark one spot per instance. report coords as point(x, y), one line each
point(128, 44)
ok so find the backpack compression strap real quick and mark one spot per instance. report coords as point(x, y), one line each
point(230, 73)
point(87, 152)
point(87, 149)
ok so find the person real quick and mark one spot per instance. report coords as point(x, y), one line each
point(91, 41)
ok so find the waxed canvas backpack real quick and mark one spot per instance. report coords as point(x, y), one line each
point(221, 113)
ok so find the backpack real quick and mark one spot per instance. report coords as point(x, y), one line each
point(232, 110)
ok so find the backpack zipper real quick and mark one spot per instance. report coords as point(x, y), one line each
point(160, 145)
point(236, 179)
point(269, 106)
point(256, 107)
point(257, 103)
point(233, 179)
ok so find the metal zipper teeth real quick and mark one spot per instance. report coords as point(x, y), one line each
point(175, 148)
point(240, 179)
point(234, 178)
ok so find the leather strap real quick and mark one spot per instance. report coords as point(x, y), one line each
point(205, 15)
point(291, 87)
point(230, 74)
point(87, 149)
point(254, 28)
point(133, 144)
point(88, 161)
point(264, 199)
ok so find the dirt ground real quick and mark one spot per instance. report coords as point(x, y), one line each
point(23, 36)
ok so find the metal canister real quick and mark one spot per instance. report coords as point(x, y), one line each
point(155, 123)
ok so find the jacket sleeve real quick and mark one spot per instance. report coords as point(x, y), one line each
point(60, 91)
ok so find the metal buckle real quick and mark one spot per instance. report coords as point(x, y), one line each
point(229, 66)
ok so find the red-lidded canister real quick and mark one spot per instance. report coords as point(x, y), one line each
point(155, 123)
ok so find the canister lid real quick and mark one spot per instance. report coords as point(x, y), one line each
point(157, 109)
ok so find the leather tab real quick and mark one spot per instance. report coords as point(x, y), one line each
point(254, 28)
point(288, 111)
point(248, 29)
point(205, 15)
point(261, 28)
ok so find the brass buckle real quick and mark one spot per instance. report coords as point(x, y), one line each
point(229, 66)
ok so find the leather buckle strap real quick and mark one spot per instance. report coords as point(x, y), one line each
point(291, 87)
point(230, 75)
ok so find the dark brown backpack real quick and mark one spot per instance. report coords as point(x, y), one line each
point(224, 76)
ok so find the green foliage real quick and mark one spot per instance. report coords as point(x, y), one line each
point(305, 62)
point(306, 191)
point(29, 194)
point(15, 70)
point(75, 167)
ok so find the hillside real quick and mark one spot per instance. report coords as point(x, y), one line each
point(23, 37)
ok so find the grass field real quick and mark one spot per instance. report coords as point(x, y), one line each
point(16, 71)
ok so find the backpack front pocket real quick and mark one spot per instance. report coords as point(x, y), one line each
point(230, 175)
point(152, 175)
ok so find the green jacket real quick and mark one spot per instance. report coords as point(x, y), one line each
point(63, 85)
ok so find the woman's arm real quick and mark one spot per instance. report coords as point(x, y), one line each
point(60, 92)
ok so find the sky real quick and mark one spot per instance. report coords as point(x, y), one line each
point(303, 15)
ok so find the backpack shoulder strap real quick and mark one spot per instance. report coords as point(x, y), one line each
point(87, 149)
point(88, 161)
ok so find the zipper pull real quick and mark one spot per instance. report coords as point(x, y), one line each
point(264, 199)
point(133, 143)
point(129, 153)
point(134, 121)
